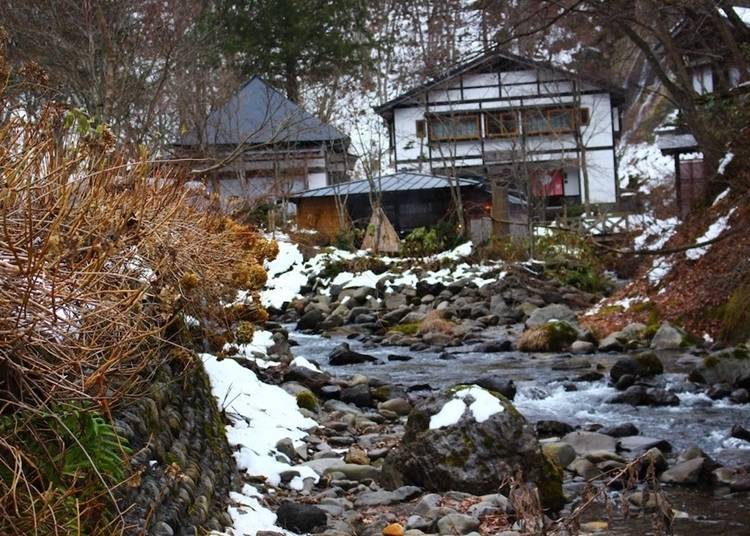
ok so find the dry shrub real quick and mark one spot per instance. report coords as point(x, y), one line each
point(99, 260)
point(434, 323)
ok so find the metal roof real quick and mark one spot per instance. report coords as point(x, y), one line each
point(400, 181)
point(259, 114)
point(491, 56)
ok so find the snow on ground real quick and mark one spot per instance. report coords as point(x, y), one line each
point(645, 163)
point(659, 269)
point(719, 198)
point(656, 233)
point(260, 416)
point(714, 231)
point(289, 272)
point(725, 162)
point(262, 341)
point(481, 403)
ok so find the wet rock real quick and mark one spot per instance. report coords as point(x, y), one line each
point(453, 524)
point(300, 518)
point(552, 428)
point(612, 343)
point(344, 355)
point(731, 367)
point(738, 479)
point(400, 406)
point(544, 315)
point(312, 379)
point(496, 346)
point(585, 469)
point(470, 455)
point(418, 523)
point(620, 430)
point(740, 396)
point(310, 320)
point(555, 336)
point(668, 337)
point(637, 444)
point(582, 347)
point(399, 357)
point(740, 432)
point(644, 365)
point(560, 452)
point(359, 395)
point(689, 472)
point(639, 395)
point(586, 442)
point(592, 376)
point(625, 381)
point(498, 384)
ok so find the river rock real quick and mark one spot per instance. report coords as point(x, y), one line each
point(496, 346)
point(731, 366)
point(312, 379)
point(640, 395)
point(300, 518)
point(311, 319)
point(359, 395)
point(394, 300)
point(453, 524)
point(498, 384)
point(612, 343)
point(552, 428)
point(354, 471)
point(585, 442)
point(687, 472)
point(399, 406)
point(740, 396)
point(643, 365)
point(740, 432)
point(668, 337)
point(738, 479)
point(620, 430)
point(582, 347)
point(343, 355)
point(470, 448)
point(561, 452)
point(638, 443)
point(554, 336)
point(543, 315)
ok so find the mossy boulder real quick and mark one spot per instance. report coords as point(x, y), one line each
point(730, 366)
point(307, 400)
point(554, 336)
point(470, 439)
point(643, 365)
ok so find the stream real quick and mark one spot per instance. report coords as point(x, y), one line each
point(544, 392)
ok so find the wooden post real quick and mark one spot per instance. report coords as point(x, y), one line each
point(500, 209)
point(678, 183)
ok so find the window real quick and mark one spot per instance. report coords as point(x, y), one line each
point(499, 124)
point(454, 127)
point(554, 120)
point(420, 128)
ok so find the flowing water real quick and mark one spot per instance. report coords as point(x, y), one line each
point(543, 382)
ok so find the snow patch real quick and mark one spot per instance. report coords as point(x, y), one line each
point(483, 405)
point(714, 231)
point(725, 162)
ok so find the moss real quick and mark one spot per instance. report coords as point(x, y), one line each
point(381, 393)
point(411, 328)
point(710, 361)
point(609, 310)
point(554, 336)
point(307, 400)
point(649, 364)
point(734, 316)
point(458, 459)
point(550, 485)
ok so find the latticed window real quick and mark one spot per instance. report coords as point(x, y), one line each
point(454, 127)
point(499, 124)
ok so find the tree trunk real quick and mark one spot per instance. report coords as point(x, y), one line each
point(292, 84)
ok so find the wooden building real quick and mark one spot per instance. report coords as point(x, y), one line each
point(269, 147)
point(409, 199)
point(518, 123)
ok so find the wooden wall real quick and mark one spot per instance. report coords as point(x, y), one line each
point(319, 213)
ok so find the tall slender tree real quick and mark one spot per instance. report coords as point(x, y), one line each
point(293, 41)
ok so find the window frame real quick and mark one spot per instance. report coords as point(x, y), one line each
point(420, 127)
point(507, 112)
point(441, 117)
point(578, 117)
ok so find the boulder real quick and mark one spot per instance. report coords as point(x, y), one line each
point(582, 347)
point(640, 395)
point(643, 365)
point(310, 320)
point(555, 336)
point(470, 439)
point(612, 343)
point(498, 384)
point(637, 444)
point(312, 379)
point(689, 472)
point(453, 524)
point(731, 366)
point(620, 430)
point(740, 432)
point(343, 355)
point(668, 337)
point(354, 471)
point(399, 406)
point(300, 518)
point(586, 442)
point(737, 479)
point(359, 395)
point(544, 315)
point(394, 301)
point(560, 452)
point(553, 428)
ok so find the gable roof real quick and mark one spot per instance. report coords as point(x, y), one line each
point(259, 114)
point(488, 58)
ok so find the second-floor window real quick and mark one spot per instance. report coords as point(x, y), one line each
point(500, 124)
point(553, 120)
point(454, 127)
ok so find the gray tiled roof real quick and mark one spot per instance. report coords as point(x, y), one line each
point(259, 114)
point(670, 142)
point(400, 181)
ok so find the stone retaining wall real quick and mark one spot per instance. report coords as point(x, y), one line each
point(180, 449)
